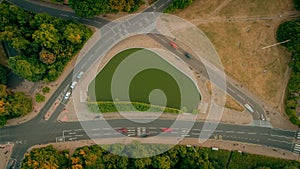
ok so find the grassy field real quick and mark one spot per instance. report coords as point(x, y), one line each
point(146, 81)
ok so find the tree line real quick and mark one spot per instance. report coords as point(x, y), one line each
point(44, 43)
point(180, 156)
point(290, 30)
point(90, 8)
point(13, 104)
point(178, 4)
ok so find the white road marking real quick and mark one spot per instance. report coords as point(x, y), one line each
point(229, 131)
point(273, 135)
point(78, 130)
point(240, 132)
point(63, 15)
point(79, 135)
point(251, 133)
point(96, 129)
point(279, 141)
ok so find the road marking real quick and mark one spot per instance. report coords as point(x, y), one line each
point(229, 131)
point(96, 129)
point(67, 130)
point(63, 15)
point(75, 17)
point(79, 135)
point(78, 130)
point(107, 129)
point(219, 131)
point(264, 134)
point(197, 129)
point(72, 133)
point(206, 130)
point(279, 141)
point(152, 127)
point(273, 135)
point(240, 132)
point(251, 133)
point(97, 134)
point(97, 22)
point(107, 134)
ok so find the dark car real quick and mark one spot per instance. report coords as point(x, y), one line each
point(188, 55)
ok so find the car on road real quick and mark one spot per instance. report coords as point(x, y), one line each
point(262, 117)
point(67, 95)
point(167, 130)
point(188, 55)
point(173, 45)
point(80, 74)
point(142, 132)
point(249, 108)
point(72, 86)
point(122, 130)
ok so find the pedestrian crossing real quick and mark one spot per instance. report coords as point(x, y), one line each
point(297, 148)
point(298, 135)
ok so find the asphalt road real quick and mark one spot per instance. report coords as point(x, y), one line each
point(39, 131)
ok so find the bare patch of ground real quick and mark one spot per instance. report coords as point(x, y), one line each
point(239, 29)
point(232, 104)
point(5, 153)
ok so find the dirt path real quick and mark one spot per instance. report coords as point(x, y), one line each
point(221, 6)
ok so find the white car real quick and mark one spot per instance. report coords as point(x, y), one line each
point(80, 74)
point(249, 108)
point(67, 95)
point(73, 85)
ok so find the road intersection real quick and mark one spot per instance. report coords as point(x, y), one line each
point(39, 131)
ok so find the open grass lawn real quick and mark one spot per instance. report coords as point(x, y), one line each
point(176, 86)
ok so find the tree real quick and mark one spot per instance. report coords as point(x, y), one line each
point(46, 35)
point(73, 33)
point(46, 90)
point(39, 98)
point(297, 4)
point(3, 74)
point(47, 57)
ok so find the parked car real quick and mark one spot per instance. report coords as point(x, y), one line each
point(80, 74)
point(173, 45)
point(166, 129)
point(72, 86)
point(67, 95)
point(188, 55)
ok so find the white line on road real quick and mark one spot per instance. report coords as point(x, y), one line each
point(219, 131)
point(273, 135)
point(229, 131)
point(64, 15)
point(79, 135)
point(67, 130)
point(107, 134)
point(97, 134)
point(240, 132)
point(96, 129)
point(75, 17)
point(251, 133)
point(78, 130)
point(97, 22)
point(280, 141)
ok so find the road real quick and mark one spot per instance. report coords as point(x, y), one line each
point(39, 131)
